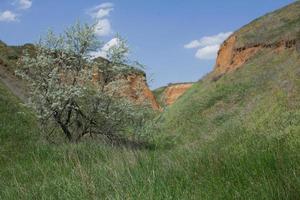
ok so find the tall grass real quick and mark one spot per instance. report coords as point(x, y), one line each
point(237, 138)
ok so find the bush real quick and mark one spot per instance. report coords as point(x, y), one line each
point(64, 96)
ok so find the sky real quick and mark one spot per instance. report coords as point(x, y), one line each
point(177, 40)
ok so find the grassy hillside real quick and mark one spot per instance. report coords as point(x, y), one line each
point(282, 24)
point(247, 127)
point(268, 82)
point(159, 92)
point(235, 138)
point(9, 55)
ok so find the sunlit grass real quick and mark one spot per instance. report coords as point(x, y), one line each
point(237, 138)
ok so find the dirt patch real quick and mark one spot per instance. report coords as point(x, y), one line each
point(139, 91)
point(173, 92)
point(231, 58)
point(132, 85)
point(15, 85)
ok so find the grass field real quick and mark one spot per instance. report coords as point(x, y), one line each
point(234, 138)
point(237, 138)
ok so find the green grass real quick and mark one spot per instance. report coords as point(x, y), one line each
point(235, 138)
point(248, 125)
point(159, 93)
point(9, 55)
point(282, 24)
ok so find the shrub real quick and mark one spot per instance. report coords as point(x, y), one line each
point(63, 94)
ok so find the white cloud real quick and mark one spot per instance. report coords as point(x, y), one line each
point(8, 16)
point(100, 14)
point(101, 11)
point(193, 44)
point(208, 46)
point(103, 27)
point(208, 52)
point(208, 40)
point(25, 4)
point(104, 50)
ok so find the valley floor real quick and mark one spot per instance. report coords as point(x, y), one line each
point(239, 163)
point(231, 136)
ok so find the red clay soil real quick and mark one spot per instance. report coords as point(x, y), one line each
point(173, 92)
point(231, 58)
point(135, 87)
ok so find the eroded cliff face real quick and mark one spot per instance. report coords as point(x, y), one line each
point(230, 57)
point(173, 92)
point(136, 88)
point(132, 85)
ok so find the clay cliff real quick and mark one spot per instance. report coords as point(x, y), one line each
point(134, 83)
point(139, 91)
point(173, 92)
point(168, 95)
point(230, 57)
point(276, 32)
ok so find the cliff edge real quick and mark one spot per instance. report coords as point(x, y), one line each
point(276, 31)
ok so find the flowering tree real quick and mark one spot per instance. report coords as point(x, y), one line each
point(63, 94)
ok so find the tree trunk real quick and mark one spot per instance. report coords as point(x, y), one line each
point(63, 126)
point(66, 131)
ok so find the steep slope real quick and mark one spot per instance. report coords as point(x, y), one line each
point(9, 55)
point(278, 31)
point(167, 95)
point(135, 82)
point(257, 72)
point(235, 141)
point(134, 85)
point(17, 86)
point(267, 83)
point(244, 117)
point(234, 137)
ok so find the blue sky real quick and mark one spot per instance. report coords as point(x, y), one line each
point(159, 32)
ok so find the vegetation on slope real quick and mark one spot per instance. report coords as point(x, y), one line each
point(247, 126)
point(282, 24)
point(9, 55)
point(159, 93)
point(235, 138)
